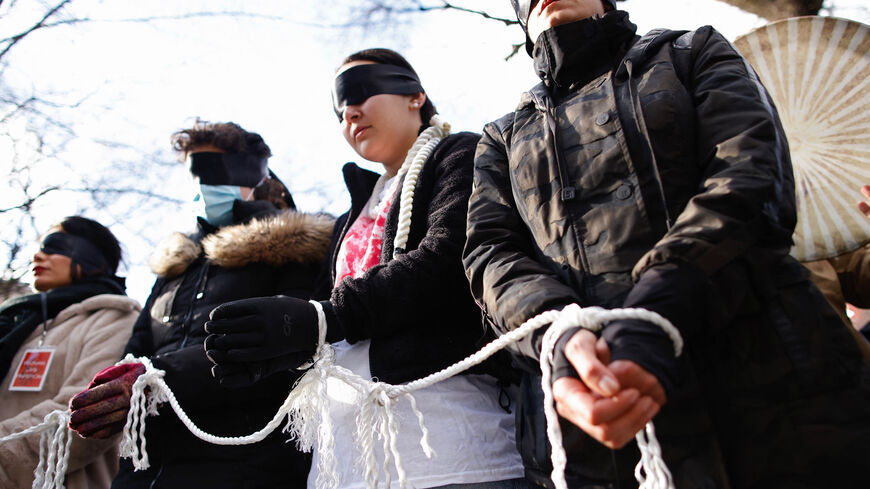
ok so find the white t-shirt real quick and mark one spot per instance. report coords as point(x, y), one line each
point(472, 436)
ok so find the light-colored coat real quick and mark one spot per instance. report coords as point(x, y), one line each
point(87, 337)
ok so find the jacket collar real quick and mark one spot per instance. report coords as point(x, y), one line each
point(577, 52)
point(360, 184)
point(275, 240)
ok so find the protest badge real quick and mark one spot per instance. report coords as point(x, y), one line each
point(32, 369)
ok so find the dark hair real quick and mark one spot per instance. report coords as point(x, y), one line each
point(227, 136)
point(389, 57)
point(97, 234)
point(274, 190)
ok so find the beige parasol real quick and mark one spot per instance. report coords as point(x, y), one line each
point(817, 70)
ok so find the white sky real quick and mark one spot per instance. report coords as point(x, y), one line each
point(274, 77)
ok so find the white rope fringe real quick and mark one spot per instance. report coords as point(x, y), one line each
point(54, 442)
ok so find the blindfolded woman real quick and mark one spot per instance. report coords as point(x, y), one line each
point(250, 242)
point(52, 342)
point(398, 297)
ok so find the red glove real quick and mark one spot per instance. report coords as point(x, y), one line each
point(101, 410)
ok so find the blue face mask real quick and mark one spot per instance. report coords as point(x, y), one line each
point(218, 203)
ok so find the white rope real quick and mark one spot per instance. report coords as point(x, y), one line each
point(308, 416)
point(54, 442)
point(413, 164)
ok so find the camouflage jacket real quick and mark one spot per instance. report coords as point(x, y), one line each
point(664, 182)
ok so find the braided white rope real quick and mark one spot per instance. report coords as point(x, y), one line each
point(309, 421)
point(54, 442)
point(417, 156)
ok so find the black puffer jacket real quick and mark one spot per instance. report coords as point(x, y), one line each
point(654, 173)
point(416, 309)
point(266, 253)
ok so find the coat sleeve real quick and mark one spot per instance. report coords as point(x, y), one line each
point(96, 346)
point(507, 280)
point(388, 296)
point(746, 196)
point(745, 199)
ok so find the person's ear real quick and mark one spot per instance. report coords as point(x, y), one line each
point(417, 100)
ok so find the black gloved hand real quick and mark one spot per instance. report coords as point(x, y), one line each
point(237, 375)
point(259, 329)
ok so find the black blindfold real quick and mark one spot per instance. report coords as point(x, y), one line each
point(239, 169)
point(81, 251)
point(354, 85)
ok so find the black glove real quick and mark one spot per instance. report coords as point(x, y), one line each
point(237, 375)
point(562, 367)
point(263, 328)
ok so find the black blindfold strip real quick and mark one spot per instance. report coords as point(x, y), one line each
point(354, 85)
point(81, 251)
point(240, 169)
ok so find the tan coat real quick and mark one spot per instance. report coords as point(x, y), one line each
point(844, 279)
point(87, 337)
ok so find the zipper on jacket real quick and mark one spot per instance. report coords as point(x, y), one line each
point(198, 288)
point(567, 192)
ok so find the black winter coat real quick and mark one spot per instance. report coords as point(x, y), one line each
point(654, 173)
point(416, 309)
point(266, 253)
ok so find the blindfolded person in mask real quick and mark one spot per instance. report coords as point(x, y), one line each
point(652, 172)
point(250, 242)
point(52, 343)
point(402, 305)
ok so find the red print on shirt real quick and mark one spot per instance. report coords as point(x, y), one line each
point(361, 248)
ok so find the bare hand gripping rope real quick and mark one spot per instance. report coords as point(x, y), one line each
point(307, 405)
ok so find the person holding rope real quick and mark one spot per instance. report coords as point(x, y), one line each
point(52, 342)
point(652, 172)
point(399, 298)
point(250, 242)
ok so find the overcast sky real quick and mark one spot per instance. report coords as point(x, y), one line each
point(274, 77)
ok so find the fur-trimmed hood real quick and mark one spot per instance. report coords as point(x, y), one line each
point(287, 237)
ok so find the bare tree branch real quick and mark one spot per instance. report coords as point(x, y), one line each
point(184, 16)
point(125, 191)
point(12, 41)
point(485, 15)
point(28, 203)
